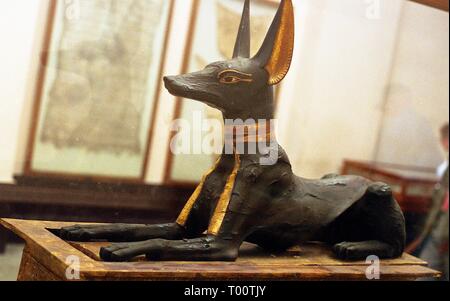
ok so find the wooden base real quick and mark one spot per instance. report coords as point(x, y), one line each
point(47, 257)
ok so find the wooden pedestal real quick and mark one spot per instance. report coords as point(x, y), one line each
point(47, 257)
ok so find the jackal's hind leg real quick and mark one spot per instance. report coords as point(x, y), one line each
point(374, 226)
point(275, 239)
point(362, 250)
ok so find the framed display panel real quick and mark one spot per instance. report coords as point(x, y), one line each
point(98, 88)
point(214, 26)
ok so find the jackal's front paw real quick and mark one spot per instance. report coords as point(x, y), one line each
point(85, 233)
point(200, 249)
point(122, 252)
point(110, 232)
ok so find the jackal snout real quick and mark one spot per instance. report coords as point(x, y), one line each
point(170, 83)
point(177, 86)
point(198, 86)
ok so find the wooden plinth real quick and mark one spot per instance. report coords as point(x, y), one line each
point(47, 257)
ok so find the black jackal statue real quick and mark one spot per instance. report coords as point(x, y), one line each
point(241, 199)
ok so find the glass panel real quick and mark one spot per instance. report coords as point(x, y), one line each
point(101, 78)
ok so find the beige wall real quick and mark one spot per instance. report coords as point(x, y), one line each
point(333, 101)
point(417, 99)
point(18, 60)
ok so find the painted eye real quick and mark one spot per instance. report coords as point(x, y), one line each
point(230, 80)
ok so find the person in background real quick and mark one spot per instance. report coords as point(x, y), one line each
point(436, 230)
point(444, 141)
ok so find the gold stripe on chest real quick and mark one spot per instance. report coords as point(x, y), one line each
point(224, 200)
point(184, 215)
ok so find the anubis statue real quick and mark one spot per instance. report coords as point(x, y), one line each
point(241, 199)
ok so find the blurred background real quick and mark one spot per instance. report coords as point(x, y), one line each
point(86, 124)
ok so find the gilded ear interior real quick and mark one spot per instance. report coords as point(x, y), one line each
point(277, 50)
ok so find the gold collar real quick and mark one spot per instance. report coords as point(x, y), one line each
point(254, 133)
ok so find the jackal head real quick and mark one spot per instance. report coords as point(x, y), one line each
point(242, 88)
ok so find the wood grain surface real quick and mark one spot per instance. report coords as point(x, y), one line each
point(46, 258)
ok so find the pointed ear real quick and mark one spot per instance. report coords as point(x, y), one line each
point(277, 50)
point(242, 46)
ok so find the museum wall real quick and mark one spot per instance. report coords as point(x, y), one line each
point(350, 64)
point(21, 31)
point(332, 106)
point(417, 99)
point(365, 88)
